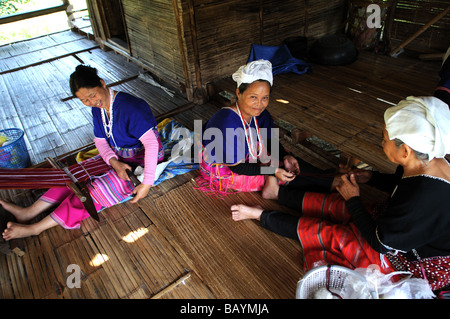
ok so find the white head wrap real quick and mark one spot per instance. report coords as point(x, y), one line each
point(255, 70)
point(422, 123)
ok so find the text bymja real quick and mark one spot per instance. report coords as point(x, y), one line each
point(255, 309)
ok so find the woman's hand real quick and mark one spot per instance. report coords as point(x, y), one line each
point(120, 168)
point(291, 164)
point(348, 188)
point(362, 176)
point(284, 175)
point(140, 192)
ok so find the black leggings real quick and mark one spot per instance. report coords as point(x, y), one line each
point(291, 195)
point(280, 223)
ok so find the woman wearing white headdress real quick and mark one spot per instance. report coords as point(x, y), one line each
point(408, 232)
point(238, 139)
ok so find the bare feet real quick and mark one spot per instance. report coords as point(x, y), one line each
point(25, 214)
point(242, 212)
point(14, 230)
point(271, 187)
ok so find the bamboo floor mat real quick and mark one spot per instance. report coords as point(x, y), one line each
point(166, 247)
point(185, 246)
point(125, 256)
point(234, 259)
point(345, 105)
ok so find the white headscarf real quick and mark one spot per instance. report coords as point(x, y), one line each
point(422, 123)
point(255, 70)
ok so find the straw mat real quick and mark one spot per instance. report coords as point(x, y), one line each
point(234, 259)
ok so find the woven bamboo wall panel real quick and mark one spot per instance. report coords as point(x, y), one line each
point(410, 15)
point(325, 21)
point(152, 30)
point(225, 30)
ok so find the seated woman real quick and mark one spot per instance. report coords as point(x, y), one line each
point(410, 229)
point(238, 140)
point(126, 135)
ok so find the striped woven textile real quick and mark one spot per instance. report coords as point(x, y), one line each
point(33, 178)
point(329, 237)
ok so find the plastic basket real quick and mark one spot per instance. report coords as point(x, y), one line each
point(15, 153)
point(316, 279)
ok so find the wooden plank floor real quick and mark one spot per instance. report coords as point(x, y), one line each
point(178, 242)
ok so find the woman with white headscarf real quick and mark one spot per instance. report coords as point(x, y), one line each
point(239, 146)
point(408, 232)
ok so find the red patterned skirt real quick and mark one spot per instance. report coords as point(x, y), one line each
point(329, 237)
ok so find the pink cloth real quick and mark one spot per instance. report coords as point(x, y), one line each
point(219, 179)
point(70, 211)
point(106, 190)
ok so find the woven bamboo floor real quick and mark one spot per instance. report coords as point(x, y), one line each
point(178, 243)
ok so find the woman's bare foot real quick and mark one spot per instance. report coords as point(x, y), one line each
point(271, 187)
point(14, 209)
point(24, 214)
point(243, 212)
point(16, 230)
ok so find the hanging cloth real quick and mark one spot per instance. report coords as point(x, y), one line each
point(280, 57)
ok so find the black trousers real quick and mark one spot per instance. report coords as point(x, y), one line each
point(291, 195)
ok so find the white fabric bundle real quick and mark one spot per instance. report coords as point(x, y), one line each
point(255, 70)
point(422, 123)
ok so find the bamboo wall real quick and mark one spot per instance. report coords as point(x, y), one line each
point(190, 43)
point(410, 15)
point(225, 30)
point(153, 36)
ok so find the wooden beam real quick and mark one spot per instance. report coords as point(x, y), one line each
point(48, 60)
point(32, 14)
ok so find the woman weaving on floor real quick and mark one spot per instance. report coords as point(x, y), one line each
point(237, 140)
point(412, 230)
point(126, 135)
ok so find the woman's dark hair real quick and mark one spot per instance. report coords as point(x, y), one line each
point(84, 77)
point(244, 86)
